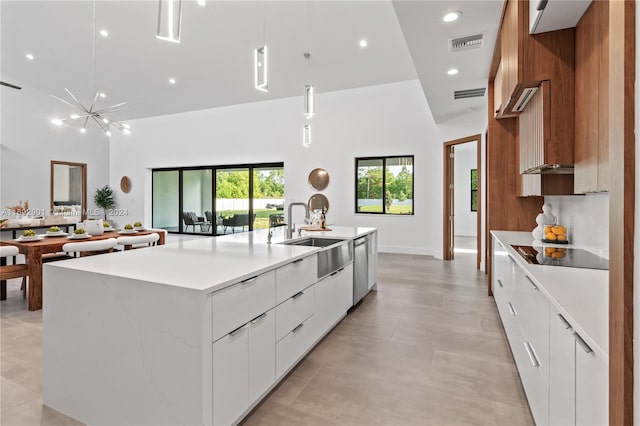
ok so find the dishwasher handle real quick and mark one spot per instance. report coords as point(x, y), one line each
point(360, 241)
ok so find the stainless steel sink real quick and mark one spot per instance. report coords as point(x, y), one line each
point(334, 255)
point(313, 242)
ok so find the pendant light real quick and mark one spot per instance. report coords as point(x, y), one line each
point(169, 20)
point(260, 58)
point(306, 135)
point(309, 92)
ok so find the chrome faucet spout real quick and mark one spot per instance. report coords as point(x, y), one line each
point(290, 219)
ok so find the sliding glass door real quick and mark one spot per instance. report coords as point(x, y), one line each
point(218, 200)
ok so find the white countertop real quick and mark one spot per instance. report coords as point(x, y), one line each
point(205, 264)
point(581, 295)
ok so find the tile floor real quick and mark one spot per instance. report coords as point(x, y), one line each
point(426, 348)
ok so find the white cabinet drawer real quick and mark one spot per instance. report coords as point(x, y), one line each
point(262, 354)
point(294, 345)
point(293, 311)
point(231, 376)
point(240, 303)
point(534, 383)
point(592, 386)
point(295, 276)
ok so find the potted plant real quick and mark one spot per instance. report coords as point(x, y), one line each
point(105, 199)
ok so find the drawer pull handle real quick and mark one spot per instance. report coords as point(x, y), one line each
point(258, 318)
point(238, 330)
point(532, 354)
point(582, 343)
point(511, 258)
point(297, 328)
point(567, 326)
point(298, 294)
point(512, 309)
point(500, 283)
point(297, 261)
point(250, 280)
point(535, 287)
point(334, 273)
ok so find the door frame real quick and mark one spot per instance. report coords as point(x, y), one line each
point(447, 254)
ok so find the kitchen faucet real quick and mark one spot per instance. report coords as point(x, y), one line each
point(290, 225)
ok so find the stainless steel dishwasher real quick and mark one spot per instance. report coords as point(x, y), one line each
point(360, 268)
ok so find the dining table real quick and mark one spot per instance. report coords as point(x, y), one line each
point(35, 249)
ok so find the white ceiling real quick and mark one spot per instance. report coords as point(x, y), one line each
point(427, 36)
point(213, 65)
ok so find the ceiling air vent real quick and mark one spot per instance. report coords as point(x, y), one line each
point(465, 43)
point(469, 93)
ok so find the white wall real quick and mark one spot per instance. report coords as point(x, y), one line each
point(588, 215)
point(390, 119)
point(28, 143)
point(465, 221)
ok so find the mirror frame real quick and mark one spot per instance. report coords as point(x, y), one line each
point(317, 195)
point(83, 166)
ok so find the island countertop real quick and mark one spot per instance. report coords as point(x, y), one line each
point(206, 264)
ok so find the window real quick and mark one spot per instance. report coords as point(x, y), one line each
point(384, 185)
point(216, 200)
point(474, 190)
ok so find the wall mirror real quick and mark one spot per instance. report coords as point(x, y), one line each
point(69, 188)
point(317, 202)
point(318, 179)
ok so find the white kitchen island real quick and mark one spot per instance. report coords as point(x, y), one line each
point(195, 332)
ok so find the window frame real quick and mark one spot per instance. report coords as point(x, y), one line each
point(384, 159)
point(473, 191)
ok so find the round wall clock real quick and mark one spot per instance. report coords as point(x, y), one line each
point(125, 184)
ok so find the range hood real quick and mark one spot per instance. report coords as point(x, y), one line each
point(540, 152)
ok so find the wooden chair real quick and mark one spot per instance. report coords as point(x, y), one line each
point(13, 271)
point(139, 241)
point(90, 247)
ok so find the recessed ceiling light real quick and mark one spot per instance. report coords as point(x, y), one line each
point(104, 33)
point(202, 2)
point(363, 43)
point(29, 56)
point(453, 71)
point(102, 95)
point(451, 16)
point(172, 81)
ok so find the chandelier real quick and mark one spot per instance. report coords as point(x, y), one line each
point(84, 113)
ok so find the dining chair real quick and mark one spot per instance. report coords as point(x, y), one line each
point(139, 241)
point(90, 247)
point(19, 270)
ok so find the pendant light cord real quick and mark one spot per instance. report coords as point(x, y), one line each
point(93, 53)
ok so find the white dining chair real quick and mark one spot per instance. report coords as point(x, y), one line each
point(19, 270)
point(90, 247)
point(139, 241)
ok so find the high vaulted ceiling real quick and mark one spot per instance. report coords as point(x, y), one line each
point(213, 64)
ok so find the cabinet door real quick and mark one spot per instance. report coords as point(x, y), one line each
point(562, 373)
point(231, 376)
point(592, 387)
point(262, 354)
point(373, 259)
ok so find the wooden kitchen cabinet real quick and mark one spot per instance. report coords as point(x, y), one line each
point(511, 55)
point(592, 94)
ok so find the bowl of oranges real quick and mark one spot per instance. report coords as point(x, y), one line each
point(556, 234)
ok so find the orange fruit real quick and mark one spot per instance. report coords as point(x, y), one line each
point(562, 238)
point(559, 230)
point(550, 236)
point(547, 229)
point(557, 255)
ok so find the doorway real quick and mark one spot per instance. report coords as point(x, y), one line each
point(462, 195)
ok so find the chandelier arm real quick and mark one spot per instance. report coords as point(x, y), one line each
point(98, 120)
point(95, 98)
point(86, 120)
point(110, 108)
point(73, 97)
point(65, 102)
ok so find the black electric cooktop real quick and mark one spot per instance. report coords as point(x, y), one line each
point(560, 256)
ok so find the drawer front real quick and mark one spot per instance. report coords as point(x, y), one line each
point(295, 277)
point(534, 383)
point(262, 354)
point(293, 311)
point(534, 321)
point(293, 345)
point(230, 376)
point(242, 302)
